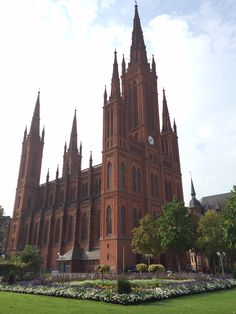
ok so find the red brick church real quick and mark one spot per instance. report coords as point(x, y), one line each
point(85, 217)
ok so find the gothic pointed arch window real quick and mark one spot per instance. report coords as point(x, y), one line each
point(135, 217)
point(35, 233)
point(97, 226)
point(57, 233)
point(123, 220)
point(109, 220)
point(134, 179)
point(156, 189)
point(135, 104)
point(84, 227)
point(109, 176)
point(122, 176)
point(70, 229)
point(138, 181)
point(45, 232)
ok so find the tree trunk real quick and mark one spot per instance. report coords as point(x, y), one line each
point(178, 262)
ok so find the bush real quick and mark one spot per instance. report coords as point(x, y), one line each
point(123, 286)
point(156, 268)
point(234, 272)
point(141, 268)
point(102, 269)
point(11, 278)
point(7, 267)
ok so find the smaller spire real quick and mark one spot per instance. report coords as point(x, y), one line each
point(105, 95)
point(80, 149)
point(175, 127)
point(25, 134)
point(73, 137)
point(90, 160)
point(57, 172)
point(193, 194)
point(43, 134)
point(153, 65)
point(166, 126)
point(34, 128)
point(123, 65)
point(65, 148)
point(47, 178)
point(115, 81)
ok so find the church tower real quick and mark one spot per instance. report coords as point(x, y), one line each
point(28, 181)
point(138, 174)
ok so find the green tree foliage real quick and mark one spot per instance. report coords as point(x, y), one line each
point(211, 237)
point(176, 229)
point(1, 223)
point(156, 268)
point(102, 269)
point(145, 237)
point(30, 257)
point(229, 220)
point(141, 268)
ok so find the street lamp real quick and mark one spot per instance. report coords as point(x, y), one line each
point(60, 258)
point(221, 256)
point(3, 256)
point(148, 256)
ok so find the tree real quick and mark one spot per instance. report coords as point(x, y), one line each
point(211, 237)
point(102, 269)
point(2, 228)
point(30, 257)
point(228, 218)
point(176, 229)
point(145, 237)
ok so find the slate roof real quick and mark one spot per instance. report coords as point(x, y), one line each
point(80, 254)
point(216, 202)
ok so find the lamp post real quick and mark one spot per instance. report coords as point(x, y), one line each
point(148, 256)
point(221, 256)
point(61, 266)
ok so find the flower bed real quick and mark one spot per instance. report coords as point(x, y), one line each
point(108, 295)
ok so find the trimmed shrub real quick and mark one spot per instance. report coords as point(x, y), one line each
point(156, 268)
point(11, 278)
point(102, 269)
point(123, 286)
point(234, 272)
point(141, 268)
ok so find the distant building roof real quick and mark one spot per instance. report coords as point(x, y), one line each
point(216, 202)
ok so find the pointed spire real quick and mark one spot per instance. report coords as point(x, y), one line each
point(57, 172)
point(25, 134)
point(43, 134)
point(166, 126)
point(73, 136)
point(90, 160)
point(80, 149)
point(193, 194)
point(115, 81)
point(138, 50)
point(105, 95)
point(47, 178)
point(65, 148)
point(175, 127)
point(153, 65)
point(123, 65)
point(34, 128)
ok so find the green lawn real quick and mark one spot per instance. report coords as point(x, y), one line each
point(223, 302)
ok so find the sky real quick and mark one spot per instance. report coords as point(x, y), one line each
point(65, 48)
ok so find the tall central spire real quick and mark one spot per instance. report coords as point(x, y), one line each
point(138, 50)
point(73, 136)
point(34, 128)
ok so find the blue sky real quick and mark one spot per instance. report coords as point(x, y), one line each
point(57, 45)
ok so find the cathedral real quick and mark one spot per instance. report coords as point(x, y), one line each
point(85, 217)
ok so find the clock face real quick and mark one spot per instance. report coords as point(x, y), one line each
point(150, 140)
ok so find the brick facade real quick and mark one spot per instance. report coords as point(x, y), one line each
point(86, 217)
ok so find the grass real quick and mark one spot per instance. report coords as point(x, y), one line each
point(223, 302)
